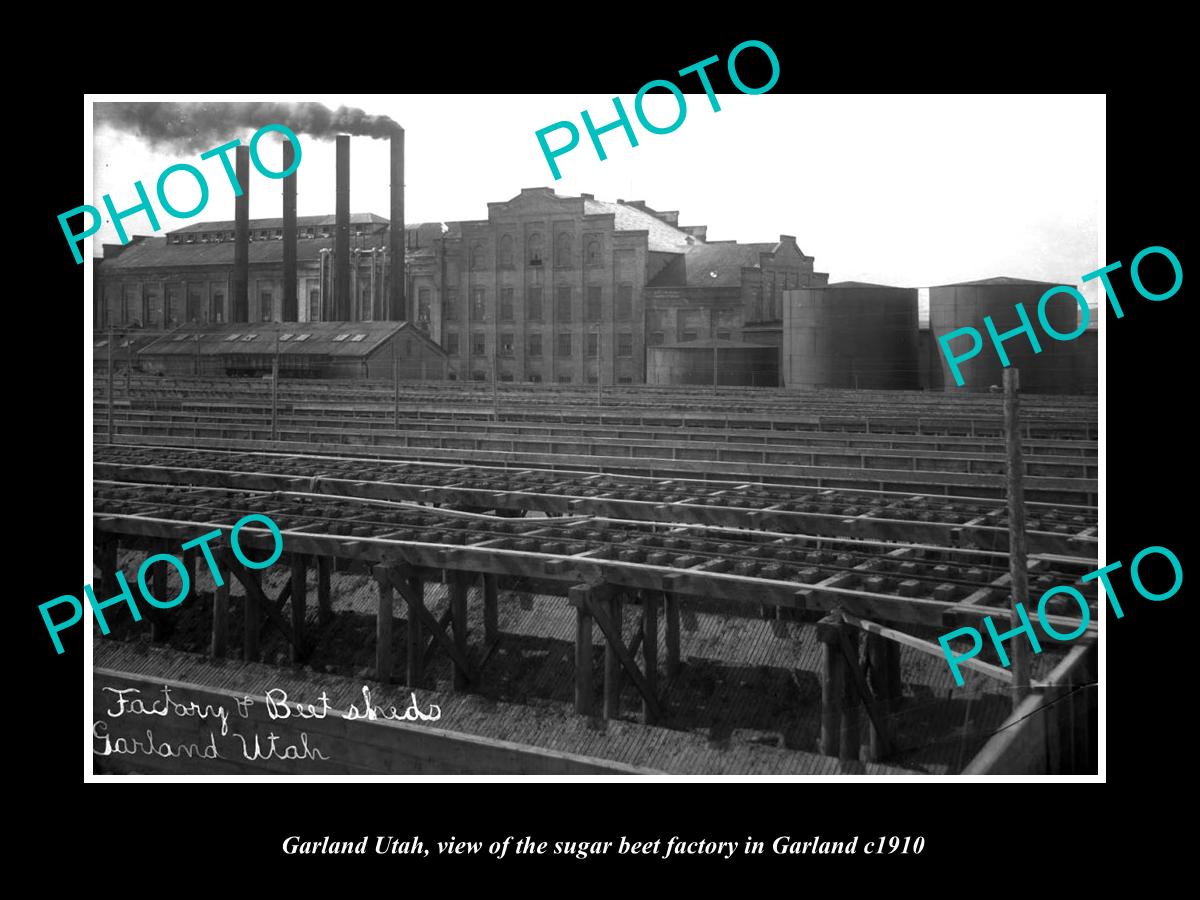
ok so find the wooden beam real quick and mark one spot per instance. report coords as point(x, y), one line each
point(612, 661)
point(491, 616)
point(879, 744)
point(324, 601)
point(671, 605)
point(927, 647)
point(833, 666)
point(299, 586)
point(416, 605)
point(1014, 487)
point(583, 654)
point(851, 742)
point(650, 650)
point(613, 638)
point(383, 627)
point(418, 654)
point(220, 617)
point(458, 584)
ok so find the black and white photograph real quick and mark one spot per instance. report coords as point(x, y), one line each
point(600, 447)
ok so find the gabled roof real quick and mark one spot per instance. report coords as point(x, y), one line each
point(301, 222)
point(334, 339)
point(662, 237)
point(998, 280)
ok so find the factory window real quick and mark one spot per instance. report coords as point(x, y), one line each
point(232, 337)
point(625, 344)
point(591, 379)
point(267, 306)
point(533, 310)
point(357, 338)
point(593, 253)
point(478, 305)
point(423, 304)
point(564, 344)
point(301, 338)
point(625, 379)
point(625, 303)
point(506, 304)
point(656, 338)
point(506, 251)
point(564, 304)
point(535, 377)
point(562, 257)
point(595, 309)
point(724, 336)
point(408, 347)
point(314, 306)
point(151, 302)
point(216, 311)
point(249, 337)
point(452, 343)
point(564, 379)
point(283, 338)
point(478, 344)
point(339, 338)
point(193, 305)
point(687, 335)
point(477, 255)
point(450, 305)
point(506, 344)
point(452, 376)
point(593, 345)
point(174, 340)
point(506, 376)
point(479, 376)
point(124, 308)
point(535, 249)
point(535, 345)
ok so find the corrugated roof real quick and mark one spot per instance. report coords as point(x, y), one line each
point(301, 222)
point(324, 339)
point(860, 284)
point(156, 251)
point(662, 237)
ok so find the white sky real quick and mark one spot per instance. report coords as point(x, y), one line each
point(910, 191)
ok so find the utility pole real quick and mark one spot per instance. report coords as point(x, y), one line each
point(495, 388)
point(111, 338)
point(1015, 483)
point(395, 385)
point(599, 370)
point(275, 390)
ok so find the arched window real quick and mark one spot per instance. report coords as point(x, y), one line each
point(506, 250)
point(593, 253)
point(477, 255)
point(535, 249)
point(563, 257)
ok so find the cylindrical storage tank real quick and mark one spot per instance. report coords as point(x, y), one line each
point(850, 335)
point(691, 362)
point(955, 306)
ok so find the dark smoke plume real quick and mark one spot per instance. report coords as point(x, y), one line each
point(202, 126)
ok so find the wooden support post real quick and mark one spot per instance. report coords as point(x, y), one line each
point(671, 608)
point(299, 604)
point(583, 657)
point(650, 650)
point(220, 619)
point(324, 601)
point(491, 625)
point(881, 690)
point(1015, 486)
point(383, 627)
point(612, 663)
point(252, 617)
point(160, 627)
point(458, 615)
point(851, 701)
point(106, 561)
point(894, 682)
point(413, 644)
point(833, 677)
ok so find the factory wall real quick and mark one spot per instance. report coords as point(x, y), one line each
point(749, 365)
point(850, 336)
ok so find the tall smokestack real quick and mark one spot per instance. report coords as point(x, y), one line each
point(341, 235)
point(291, 312)
point(241, 240)
point(397, 306)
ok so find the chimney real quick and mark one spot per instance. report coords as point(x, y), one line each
point(290, 307)
point(397, 305)
point(341, 234)
point(240, 300)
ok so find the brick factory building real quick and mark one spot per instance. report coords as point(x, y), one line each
point(545, 289)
